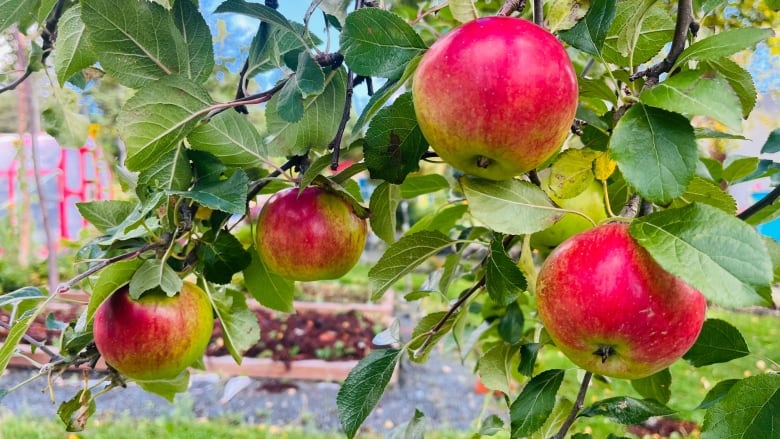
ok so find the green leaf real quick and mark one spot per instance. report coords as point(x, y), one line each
point(402, 257)
point(230, 137)
point(718, 342)
point(18, 328)
point(717, 393)
point(416, 185)
point(735, 168)
point(640, 29)
point(713, 251)
point(273, 44)
point(503, 280)
point(256, 10)
point(106, 215)
point(627, 410)
point(774, 254)
point(571, 173)
point(108, 281)
point(412, 429)
point(704, 191)
point(158, 117)
point(167, 388)
point(385, 93)
point(655, 387)
point(197, 37)
point(419, 353)
point(136, 42)
point(394, 143)
point(772, 143)
point(510, 326)
point(376, 42)
point(740, 80)
point(363, 388)
point(14, 298)
point(68, 127)
point(494, 367)
point(556, 419)
point(589, 34)
point(75, 412)
point(268, 288)
point(171, 171)
point(463, 10)
point(240, 329)
point(14, 11)
point(309, 76)
point(491, 425)
point(442, 220)
point(564, 14)
point(74, 52)
point(383, 204)
point(749, 410)
point(512, 206)
point(290, 104)
point(656, 152)
point(528, 354)
point(696, 92)
point(535, 403)
point(222, 255)
point(722, 44)
point(224, 195)
point(317, 127)
point(154, 273)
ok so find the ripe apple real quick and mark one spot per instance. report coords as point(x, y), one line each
point(155, 337)
point(495, 97)
point(312, 236)
point(612, 309)
point(590, 202)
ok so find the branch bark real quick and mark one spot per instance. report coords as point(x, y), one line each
point(760, 204)
point(685, 24)
point(575, 410)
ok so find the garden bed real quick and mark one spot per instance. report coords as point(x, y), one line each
point(321, 341)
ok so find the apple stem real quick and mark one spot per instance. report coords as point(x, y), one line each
point(511, 6)
point(604, 352)
point(533, 176)
point(575, 410)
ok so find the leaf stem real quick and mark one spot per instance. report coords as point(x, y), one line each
point(578, 404)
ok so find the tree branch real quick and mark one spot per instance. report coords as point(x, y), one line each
point(760, 204)
point(335, 144)
point(511, 6)
point(575, 410)
point(38, 344)
point(257, 186)
point(685, 24)
point(539, 12)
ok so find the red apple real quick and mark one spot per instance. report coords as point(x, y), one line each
point(612, 309)
point(155, 337)
point(312, 236)
point(495, 97)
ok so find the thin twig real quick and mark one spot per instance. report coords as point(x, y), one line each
point(422, 14)
point(66, 286)
point(575, 410)
point(539, 12)
point(17, 82)
point(760, 204)
point(335, 144)
point(38, 344)
point(685, 24)
point(255, 188)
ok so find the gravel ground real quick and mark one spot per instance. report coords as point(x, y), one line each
point(441, 388)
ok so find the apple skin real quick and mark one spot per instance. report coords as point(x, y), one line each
point(590, 202)
point(495, 97)
point(155, 337)
point(312, 236)
point(602, 289)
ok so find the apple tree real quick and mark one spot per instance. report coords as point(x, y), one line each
point(593, 124)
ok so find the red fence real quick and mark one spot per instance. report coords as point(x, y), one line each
point(68, 176)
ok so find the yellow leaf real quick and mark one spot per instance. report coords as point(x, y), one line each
point(603, 166)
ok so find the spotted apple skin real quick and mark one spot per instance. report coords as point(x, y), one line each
point(495, 97)
point(314, 235)
point(155, 337)
point(612, 310)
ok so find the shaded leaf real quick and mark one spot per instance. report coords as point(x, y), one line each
point(73, 50)
point(363, 387)
point(383, 204)
point(223, 195)
point(718, 342)
point(655, 387)
point(417, 352)
point(749, 410)
point(772, 143)
point(385, 93)
point(412, 429)
point(589, 34)
point(656, 152)
point(222, 255)
point(153, 274)
point(627, 410)
point(494, 367)
point(268, 288)
point(167, 388)
point(503, 279)
point(535, 403)
point(240, 329)
point(528, 354)
point(704, 191)
point(718, 392)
